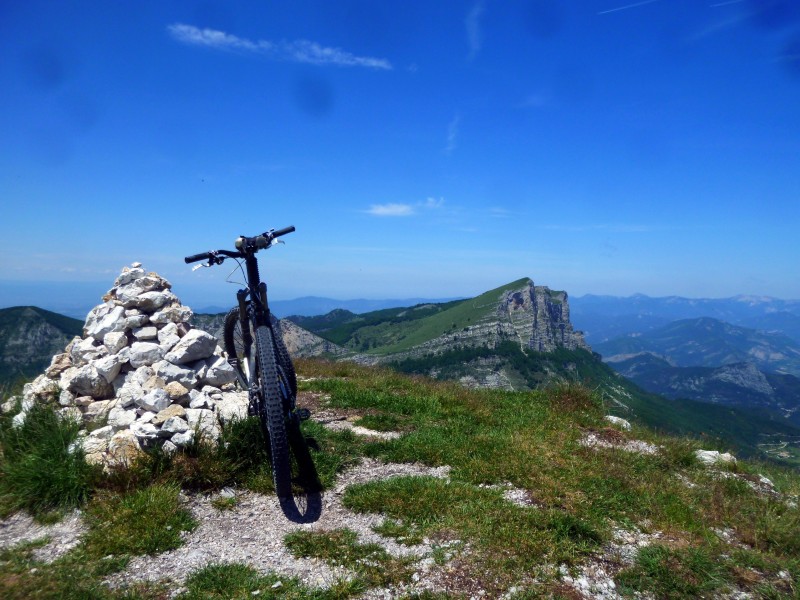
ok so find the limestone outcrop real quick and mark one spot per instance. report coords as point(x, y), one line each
point(534, 316)
point(140, 375)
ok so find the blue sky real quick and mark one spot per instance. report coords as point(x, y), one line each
point(431, 149)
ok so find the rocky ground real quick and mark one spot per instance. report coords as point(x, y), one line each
point(253, 530)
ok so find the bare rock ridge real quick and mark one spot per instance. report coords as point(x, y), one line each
point(534, 316)
point(541, 316)
point(139, 376)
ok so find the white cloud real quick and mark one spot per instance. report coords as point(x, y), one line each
point(302, 51)
point(391, 210)
point(473, 25)
point(397, 209)
point(432, 203)
point(452, 135)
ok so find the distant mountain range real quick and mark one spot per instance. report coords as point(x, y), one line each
point(475, 341)
point(707, 342)
point(738, 384)
point(603, 318)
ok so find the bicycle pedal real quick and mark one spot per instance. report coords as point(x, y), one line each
point(303, 414)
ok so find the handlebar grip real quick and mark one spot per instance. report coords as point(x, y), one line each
point(196, 257)
point(284, 231)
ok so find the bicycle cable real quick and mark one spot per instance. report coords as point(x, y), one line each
point(238, 266)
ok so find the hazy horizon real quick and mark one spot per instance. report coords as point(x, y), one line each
point(76, 299)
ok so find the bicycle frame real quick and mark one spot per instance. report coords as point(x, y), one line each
point(253, 306)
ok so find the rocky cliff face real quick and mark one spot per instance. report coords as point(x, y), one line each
point(540, 318)
point(302, 343)
point(534, 316)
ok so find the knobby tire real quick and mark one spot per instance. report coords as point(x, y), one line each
point(271, 411)
point(234, 347)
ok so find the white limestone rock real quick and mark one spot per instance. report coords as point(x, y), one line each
point(121, 418)
point(86, 350)
point(203, 421)
point(174, 425)
point(144, 432)
point(136, 321)
point(168, 336)
point(99, 411)
point(104, 433)
point(148, 332)
point(232, 407)
point(43, 388)
point(109, 367)
point(66, 398)
point(176, 313)
point(155, 400)
point(115, 341)
point(218, 372)
point(712, 457)
point(129, 392)
point(145, 354)
point(129, 274)
point(86, 381)
point(94, 445)
point(182, 439)
point(123, 447)
point(200, 400)
point(194, 346)
point(152, 301)
point(619, 422)
point(170, 372)
point(111, 320)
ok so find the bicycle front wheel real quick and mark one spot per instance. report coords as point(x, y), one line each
point(235, 348)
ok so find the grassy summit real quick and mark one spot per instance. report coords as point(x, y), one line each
point(540, 492)
point(393, 330)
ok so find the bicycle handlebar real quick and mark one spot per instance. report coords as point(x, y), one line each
point(257, 242)
point(284, 231)
point(196, 257)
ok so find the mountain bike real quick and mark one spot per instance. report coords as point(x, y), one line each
point(256, 350)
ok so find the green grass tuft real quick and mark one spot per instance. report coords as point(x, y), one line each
point(146, 521)
point(237, 581)
point(340, 547)
point(40, 469)
point(667, 573)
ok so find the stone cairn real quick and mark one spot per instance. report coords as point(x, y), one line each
point(140, 376)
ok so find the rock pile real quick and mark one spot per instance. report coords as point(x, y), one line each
point(140, 376)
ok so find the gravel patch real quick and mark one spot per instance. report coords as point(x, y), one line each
point(62, 536)
point(592, 440)
point(252, 533)
point(340, 425)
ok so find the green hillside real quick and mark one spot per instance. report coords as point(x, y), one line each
point(750, 433)
point(29, 337)
point(395, 330)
